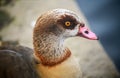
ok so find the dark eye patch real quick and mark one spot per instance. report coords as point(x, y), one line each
point(64, 18)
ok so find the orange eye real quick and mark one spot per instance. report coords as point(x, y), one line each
point(67, 23)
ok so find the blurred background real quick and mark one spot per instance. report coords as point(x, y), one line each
point(104, 19)
point(98, 59)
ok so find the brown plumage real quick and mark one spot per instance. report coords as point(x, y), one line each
point(50, 58)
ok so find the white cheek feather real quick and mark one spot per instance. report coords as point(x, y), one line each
point(72, 32)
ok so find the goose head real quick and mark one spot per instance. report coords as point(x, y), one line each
point(50, 31)
point(64, 23)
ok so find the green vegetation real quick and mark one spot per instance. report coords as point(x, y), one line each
point(5, 18)
point(5, 2)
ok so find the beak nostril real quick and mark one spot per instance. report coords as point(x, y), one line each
point(86, 32)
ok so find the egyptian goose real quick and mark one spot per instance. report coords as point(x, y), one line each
point(50, 58)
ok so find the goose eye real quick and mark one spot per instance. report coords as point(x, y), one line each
point(67, 23)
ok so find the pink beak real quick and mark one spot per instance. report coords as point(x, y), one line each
point(87, 33)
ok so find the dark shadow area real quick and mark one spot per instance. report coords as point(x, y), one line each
point(5, 2)
point(5, 18)
point(104, 19)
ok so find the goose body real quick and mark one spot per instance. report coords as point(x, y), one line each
point(67, 69)
point(17, 62)
point(50, 58)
